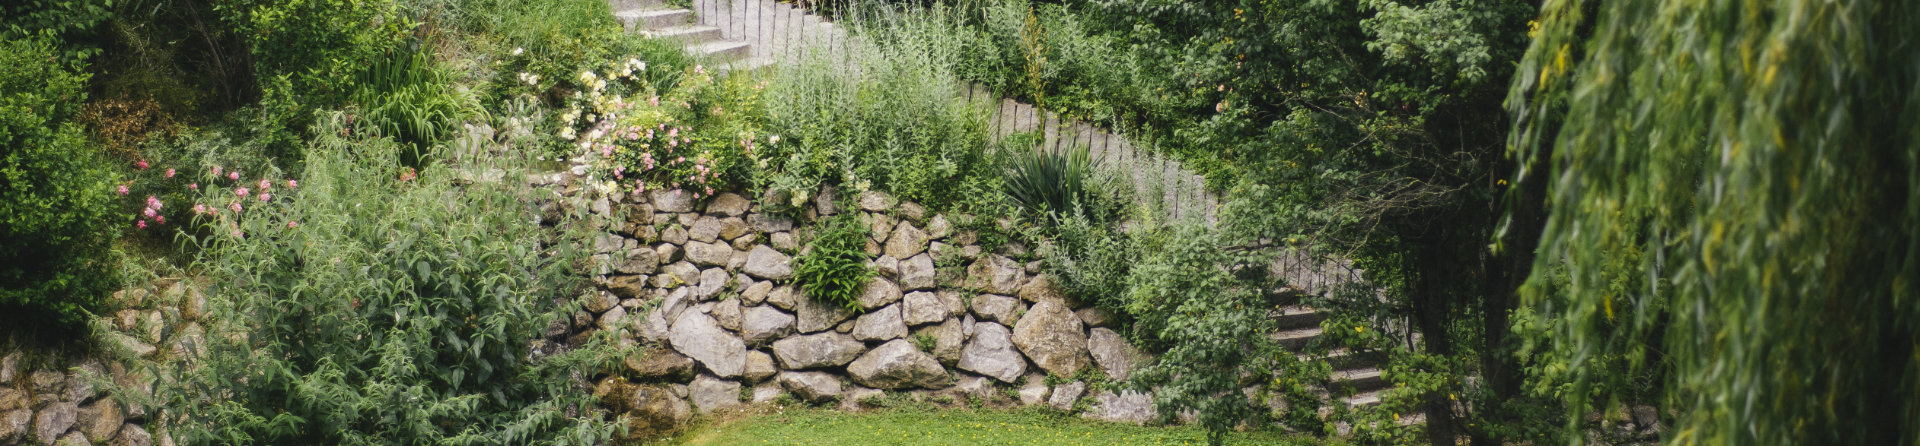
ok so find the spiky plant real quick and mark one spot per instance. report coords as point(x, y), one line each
point(1050, 182)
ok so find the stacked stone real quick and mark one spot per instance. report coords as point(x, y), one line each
point(50, 398)
point(711, 285)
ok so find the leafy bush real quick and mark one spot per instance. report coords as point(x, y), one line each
point(55, 195)
point(319, 44)
point(372, 307)
point(71, 25)
point(410, 98)
point(897, 123)
point(834, 267)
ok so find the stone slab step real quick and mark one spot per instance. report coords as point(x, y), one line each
point(685, 33)
point(623, 5)
point(646, 19)
point(720, 50)
point(1362, 380)
point(1292, 318)
point(1297, 339)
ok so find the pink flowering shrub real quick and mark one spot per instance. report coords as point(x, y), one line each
point(697, 137)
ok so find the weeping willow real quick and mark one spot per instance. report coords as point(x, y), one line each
point(1759, 160)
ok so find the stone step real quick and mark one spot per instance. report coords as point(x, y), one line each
point(720, 50)
point(1361, 380)
point(748, 64)
point(623, 5)
point(685, 33)
point(1292, 318)
point(1297, 339)
point(646, 19)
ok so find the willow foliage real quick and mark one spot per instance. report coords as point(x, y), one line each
point(1759, 159)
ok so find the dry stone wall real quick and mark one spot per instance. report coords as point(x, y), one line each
point(709, 287)
point(48, 396)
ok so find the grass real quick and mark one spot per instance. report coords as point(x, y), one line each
point(918, 426)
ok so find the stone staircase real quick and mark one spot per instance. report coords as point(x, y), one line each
point(1356, 380)
point(654, 18)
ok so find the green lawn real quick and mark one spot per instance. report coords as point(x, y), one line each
point(800, 426)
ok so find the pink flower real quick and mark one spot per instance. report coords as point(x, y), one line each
point(216, 171)
point(241, 192)
point(150, 213)
point(238, 234)
point(233, 176)
point(673, 132)
point(161, 219)
point(142, 164)
point(265, 196)
point(408, 175)
point(194, 186)
point(199, 208)
point(169, 173)
point(264, 184)
point(291, 184)
point(123, 189)
point(292, 224)
point(235, 206)
point(142, 224)
point(654, 101)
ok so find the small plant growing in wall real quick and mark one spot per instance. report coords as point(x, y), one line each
point(834, 267)
point(925, 342)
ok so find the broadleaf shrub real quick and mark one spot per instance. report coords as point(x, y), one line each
point(834, 269)
point(373, 306)
point(56, 197)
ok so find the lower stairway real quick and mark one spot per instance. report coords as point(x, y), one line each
point(1356, 381)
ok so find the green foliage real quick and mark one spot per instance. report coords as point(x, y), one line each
point(410, 98)
point(834, 267)
point(56, 196)
point(1755, 166)
point(896, 124)
point(71, 25)
point(320, 44)
point(925, 342)
point(1051, 183)
point(1204, 307)
point(1093, 259)
point(369, 308)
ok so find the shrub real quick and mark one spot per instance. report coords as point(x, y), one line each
point(319, 44)
point(834, 268)
point(374, 307)
point(55, 195)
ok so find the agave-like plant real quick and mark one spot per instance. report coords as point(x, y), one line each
point(410, 99)
point(1050, 182)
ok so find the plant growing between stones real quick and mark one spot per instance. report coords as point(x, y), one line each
point(834, 268)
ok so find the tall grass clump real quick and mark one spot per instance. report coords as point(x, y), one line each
point(371, 305)
point(411, 98)
point(882, 110)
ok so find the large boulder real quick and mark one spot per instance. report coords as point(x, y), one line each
point(879, 292)
point(762, 324)
point(815, 387)
point(1112, 353)
point(101, 420)
point(672, 200)
point(766, 263)
point(996, 274)
point(816, 315)
point(817, 351)
point(991, 353)
point(55, 419)
point(726, 313)
point(907, 241)
point(760, 366)
point(1052, 335)
point(948, 339)
point(659, 365)
point(728, 204)
point(1125, 407)
point(653, 410)
point(917, 273)
point(880, 325)
point(700, 338)
point(1038, 289)
point(709, 254)
point(997, 308)
point(709, 393)
point(641, 260)
point(921, 308)
point(898, 365)
point(704, 229)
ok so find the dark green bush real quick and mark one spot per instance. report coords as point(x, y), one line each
point(369, 307)
point(56, 195)
point(320, 44)
point(835, 267)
